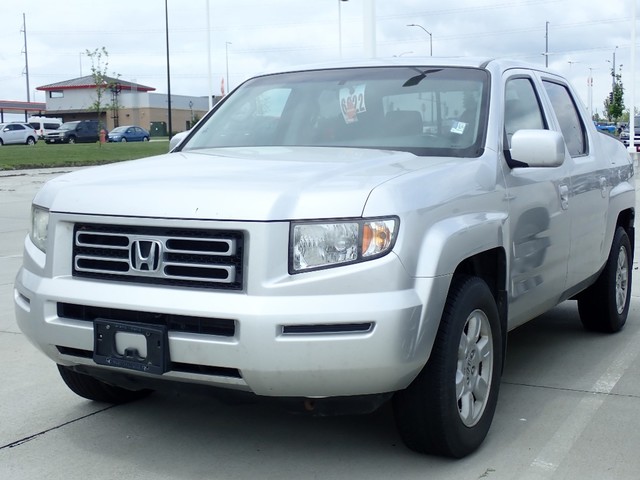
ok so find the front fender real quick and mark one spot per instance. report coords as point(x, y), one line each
point(452, 240)
point(445, 246)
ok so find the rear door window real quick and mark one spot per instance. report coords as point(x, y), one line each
point(571, 124)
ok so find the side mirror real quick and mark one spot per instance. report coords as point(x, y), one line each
point(177, 139)
point(538, 148)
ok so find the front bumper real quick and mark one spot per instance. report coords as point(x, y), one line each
point(285, 342)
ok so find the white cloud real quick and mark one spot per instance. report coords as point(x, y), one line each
point(265, 34)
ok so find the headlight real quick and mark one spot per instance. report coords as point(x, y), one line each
point(315, 245)
point(39, 227)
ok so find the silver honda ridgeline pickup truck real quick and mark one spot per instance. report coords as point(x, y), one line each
point(339, 235)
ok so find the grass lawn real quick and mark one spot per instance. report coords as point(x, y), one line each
point(41, 155)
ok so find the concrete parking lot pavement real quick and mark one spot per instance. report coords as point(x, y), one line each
point(569, 408)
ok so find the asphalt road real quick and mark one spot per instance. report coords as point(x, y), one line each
point(569, 408)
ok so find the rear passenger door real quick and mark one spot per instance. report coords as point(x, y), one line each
point(16, 133)
point(588, 196)
point(539, 222)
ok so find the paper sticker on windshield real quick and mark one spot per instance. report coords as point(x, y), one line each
point(352, 103)
point(458, 127)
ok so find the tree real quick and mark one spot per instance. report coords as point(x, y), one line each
point(99, 65)
point(614, 104)
point(114, 107)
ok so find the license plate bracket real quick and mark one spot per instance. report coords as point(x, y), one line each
point(107, 351)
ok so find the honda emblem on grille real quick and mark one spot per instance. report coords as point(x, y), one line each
point(146, 255)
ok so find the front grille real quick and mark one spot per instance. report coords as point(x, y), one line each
point(178, 323)
point(182, 257)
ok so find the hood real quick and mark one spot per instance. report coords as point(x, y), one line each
point(260, 183)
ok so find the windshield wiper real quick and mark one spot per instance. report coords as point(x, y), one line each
point(413, 81)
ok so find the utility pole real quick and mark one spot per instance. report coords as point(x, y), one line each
point(26, 57)
point(613, 70)
point(226, 56)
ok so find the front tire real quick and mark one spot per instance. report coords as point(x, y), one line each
point(123, 140)
point(448, 408)
point(604, 306)
point(72, 140)
point(93, 389)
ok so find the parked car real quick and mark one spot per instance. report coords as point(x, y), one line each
point(16, 133)
point(129, 133)
point(310, 240)
point(624, 135)
point(44, 125)
point(81, 131)
point(608, 127)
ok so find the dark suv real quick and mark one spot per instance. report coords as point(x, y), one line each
point(86, 131)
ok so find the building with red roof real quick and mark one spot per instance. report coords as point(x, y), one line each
point(123, 103)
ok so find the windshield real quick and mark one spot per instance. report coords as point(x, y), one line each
point(118, 130)
point(427, 111)
point(68, 126)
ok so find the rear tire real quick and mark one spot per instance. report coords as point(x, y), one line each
point(31, 141)
point(604, 306)
point(93, 389)
point(448, 408)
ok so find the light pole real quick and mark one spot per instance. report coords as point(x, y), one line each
point(590, 91)
point(166, 22)
point(209, 73)
point(546, 44)
point(226, 55)
point(428, 33)
point(340, 26)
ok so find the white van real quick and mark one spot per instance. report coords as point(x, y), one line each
point(43, 125)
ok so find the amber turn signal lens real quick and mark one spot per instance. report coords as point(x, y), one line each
point(367, 236)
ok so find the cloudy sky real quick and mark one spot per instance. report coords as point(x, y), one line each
point(251, 36)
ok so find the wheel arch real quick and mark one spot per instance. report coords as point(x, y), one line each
point(469, 245)
point(491, 267)
point(626, 220)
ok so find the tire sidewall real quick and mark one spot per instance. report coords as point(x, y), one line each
point(426, 412)
point(620, 241)
point(477, 296)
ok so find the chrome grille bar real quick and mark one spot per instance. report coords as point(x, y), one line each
point(208, 258)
